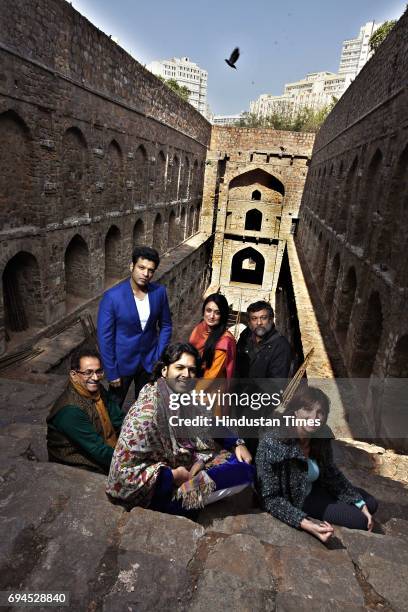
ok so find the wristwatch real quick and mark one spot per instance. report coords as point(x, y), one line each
point(240, 442)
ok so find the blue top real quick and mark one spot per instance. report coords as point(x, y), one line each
point(313, 474)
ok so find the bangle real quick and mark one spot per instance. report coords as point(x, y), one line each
point(240, 442)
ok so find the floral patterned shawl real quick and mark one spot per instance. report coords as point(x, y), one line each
point(147, 442)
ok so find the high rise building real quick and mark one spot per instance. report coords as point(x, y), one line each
point(356, 51)
point(187, 74)
point(317, 89)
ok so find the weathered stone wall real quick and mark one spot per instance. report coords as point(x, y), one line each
point(96, 155)
point(253, 185)
point(353, 226)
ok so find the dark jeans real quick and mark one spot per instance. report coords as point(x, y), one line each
point(321, 505)
point(140, 378)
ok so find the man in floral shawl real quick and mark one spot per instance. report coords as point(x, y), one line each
point(153, 468)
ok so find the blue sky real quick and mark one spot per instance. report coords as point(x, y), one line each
point(280, 41)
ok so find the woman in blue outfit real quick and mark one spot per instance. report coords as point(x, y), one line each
point(297, 479)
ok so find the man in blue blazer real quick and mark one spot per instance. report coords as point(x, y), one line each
point(134, 325)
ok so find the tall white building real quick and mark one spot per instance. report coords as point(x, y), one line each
point(187, 74)
point(317, 89)
point(356, 52)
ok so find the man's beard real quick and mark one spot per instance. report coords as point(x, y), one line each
point(262, 331)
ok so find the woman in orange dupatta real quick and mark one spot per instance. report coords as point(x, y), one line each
point(216, 346)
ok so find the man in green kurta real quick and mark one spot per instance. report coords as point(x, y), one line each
point(84, 422)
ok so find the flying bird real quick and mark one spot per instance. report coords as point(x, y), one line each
point(233, 58)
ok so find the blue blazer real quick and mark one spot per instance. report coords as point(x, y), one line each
point(122, 342)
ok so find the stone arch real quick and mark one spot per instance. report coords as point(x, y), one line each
point(398, 365)
point(185, 179)
point(253, 220)
point(256, 195)
point(22, 293)
point(321, 265)
point(331, 282)
point(346, 202)
point(113, 256)
point(158, 233)
point(190, 221)
point(160, 177)
point(16, 171)
point(174, 181)
point(335, 193)
point(321, 193)
point(74, 169)
point(367, 339)
point(194, 180)
point(172, 230)
point(316, 254)
point(114, 174)
point(345, 303)
point(77, 272)
point(248, 266)
point(196, 225)
point(242, 186)
point(396, 209)
point(182, 224)
point(365, 205)
point(139, 233)
point(141, 174)
point(325, 209)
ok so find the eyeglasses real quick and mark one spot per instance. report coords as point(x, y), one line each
point(88, 373)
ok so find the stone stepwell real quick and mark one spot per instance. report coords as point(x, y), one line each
point(61, 533)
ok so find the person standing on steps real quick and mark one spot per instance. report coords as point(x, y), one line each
point(134, 325)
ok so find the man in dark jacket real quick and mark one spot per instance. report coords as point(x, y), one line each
point(263, 360)
point(262, 352)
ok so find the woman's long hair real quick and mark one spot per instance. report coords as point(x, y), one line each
point(217, 332)
point(306, 397)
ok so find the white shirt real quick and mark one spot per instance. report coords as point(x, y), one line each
point(143, 308)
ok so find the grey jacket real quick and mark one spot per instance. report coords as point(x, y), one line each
point(282, 477)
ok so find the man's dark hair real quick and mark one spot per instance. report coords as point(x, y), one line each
point(145, 253)
point(261, 305)
point(172, 354)
point(83, 351)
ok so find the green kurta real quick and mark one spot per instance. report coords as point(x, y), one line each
point(76, 428)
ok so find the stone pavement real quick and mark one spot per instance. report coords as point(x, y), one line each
point(61, 533)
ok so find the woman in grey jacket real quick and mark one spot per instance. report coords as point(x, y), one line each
point(298, 481)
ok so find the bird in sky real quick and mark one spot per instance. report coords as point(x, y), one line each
point(233, 58)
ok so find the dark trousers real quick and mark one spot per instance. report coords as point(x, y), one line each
point(140, 378)
point(228, 474)
point(319, 504)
